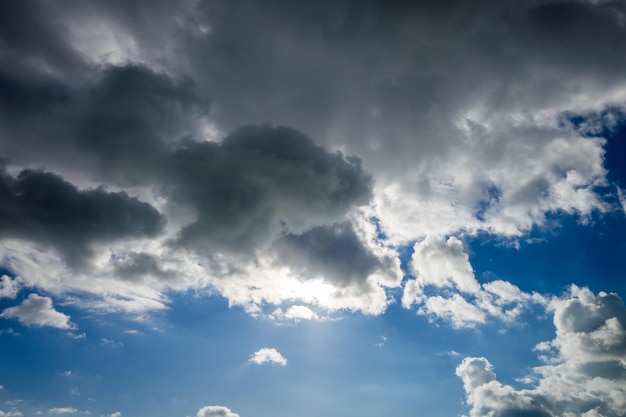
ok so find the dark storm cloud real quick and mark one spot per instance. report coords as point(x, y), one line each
point(335, 252)
point(31, 39)
point(136, 127)
point(113, 127)
point(259, 182)
point(42, 207)
point(331, 64)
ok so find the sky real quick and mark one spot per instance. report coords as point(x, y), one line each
point(331, 208)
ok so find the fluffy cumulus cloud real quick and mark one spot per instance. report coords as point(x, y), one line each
point(215, 411)
point(9, 287)
point(38, 311)
point(267, 355)
point(584, 370)
point(445, 287)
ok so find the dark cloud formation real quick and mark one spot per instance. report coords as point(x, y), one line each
point(135, 126)
point(260, 182)
point(42, 207)
point(335, 252)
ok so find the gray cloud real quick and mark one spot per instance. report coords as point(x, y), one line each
point(42, 207)
point(260, 182)
point(335, 252)
point(454, 111)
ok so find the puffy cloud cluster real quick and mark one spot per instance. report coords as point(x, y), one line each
point(215, 411)
point(445, 287)
point(584, 373)
point(38, 311)
point(267, 355)
point(9, 287)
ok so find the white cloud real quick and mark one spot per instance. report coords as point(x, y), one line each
point(267, 355)
point(296, 312)
point(9, 287)
point(111, 343)
point(115, 414)
point(215, 411)
point(445, 287)
point(584, 370)
point(11, 413)
point(38, 311)
point(62, 410)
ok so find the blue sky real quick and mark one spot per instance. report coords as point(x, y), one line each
point(334, 208)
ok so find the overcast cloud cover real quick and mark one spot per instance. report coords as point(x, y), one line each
point(315, 166)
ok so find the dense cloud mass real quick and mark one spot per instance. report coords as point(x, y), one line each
point(285, 155)
point(43, 208)
point(165, 116)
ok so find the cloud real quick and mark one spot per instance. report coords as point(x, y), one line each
point(296, 312)
point(267, 355)
point(11, 413)
point(215, 411)
point(336, 253)
point(9, 287)
point(584, 365)
point(115, 414)
point(364, 152)
point(445, 287)
point(38, 311)
point(44, 208)
point(62, 410)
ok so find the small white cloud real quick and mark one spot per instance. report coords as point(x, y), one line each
point(62, 410)
point(116, 414)
point(38, 311)
point(267, 355)
point(215, 411)
point(296, 313)
point(11, 413)
point(111, 343)
point(9, 287)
